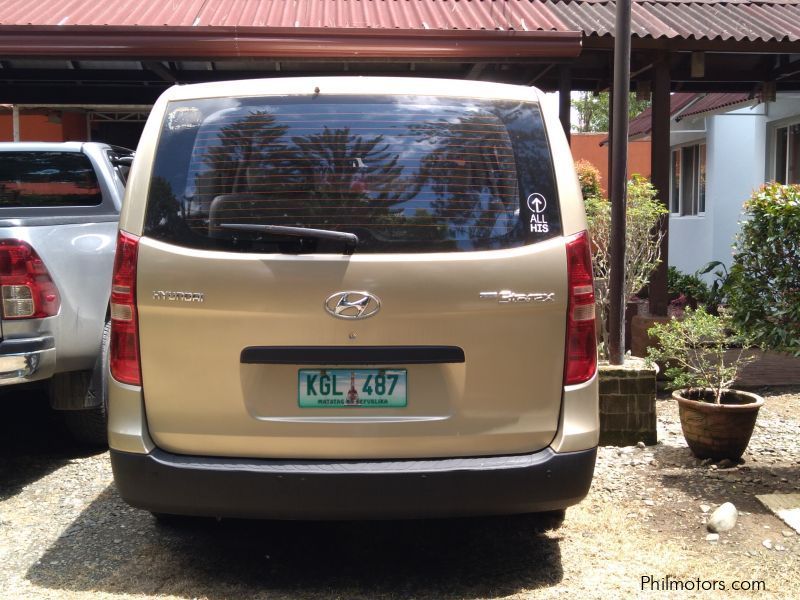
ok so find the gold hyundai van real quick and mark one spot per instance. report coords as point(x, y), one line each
point(352, 297)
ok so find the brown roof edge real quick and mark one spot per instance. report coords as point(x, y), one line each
point(133, 43)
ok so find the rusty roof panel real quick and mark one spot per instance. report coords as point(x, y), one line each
point(100, 13)
point(714, 102)
point(643, 124)
point(686, 104)
point(763, 20)
point(517, 15)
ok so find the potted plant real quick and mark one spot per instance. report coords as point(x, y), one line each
point(717, 421)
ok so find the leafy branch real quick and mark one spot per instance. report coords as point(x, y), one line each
point(694, 351)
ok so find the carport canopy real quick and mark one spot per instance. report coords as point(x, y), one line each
point(128, 51)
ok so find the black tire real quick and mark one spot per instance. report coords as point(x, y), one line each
point(90, 426)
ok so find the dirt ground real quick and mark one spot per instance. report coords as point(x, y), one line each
point(64, 532)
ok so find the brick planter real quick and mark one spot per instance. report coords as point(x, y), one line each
point(767, 368)
point(627, 403)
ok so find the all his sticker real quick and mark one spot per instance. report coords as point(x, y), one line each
point(537, 205)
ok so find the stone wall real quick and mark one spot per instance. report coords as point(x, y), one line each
point(627, 403)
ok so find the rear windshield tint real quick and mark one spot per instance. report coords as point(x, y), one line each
point(44, 179)
point(405, 174)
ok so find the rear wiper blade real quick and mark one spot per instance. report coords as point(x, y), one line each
point(350, 240)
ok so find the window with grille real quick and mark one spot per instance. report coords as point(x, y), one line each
point(688, 180)
point(787, 154)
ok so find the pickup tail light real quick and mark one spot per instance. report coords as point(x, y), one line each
point(27, 290)
point(581, 344)
point(125, 366)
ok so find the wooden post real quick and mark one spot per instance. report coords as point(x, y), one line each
point(660, 165)
point(610, 141)
point(564, 104)
point(15, 122)
point(619, 179)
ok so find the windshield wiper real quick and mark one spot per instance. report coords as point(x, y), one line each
point(350, 240)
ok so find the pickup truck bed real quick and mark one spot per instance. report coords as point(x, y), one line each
point(59, 208)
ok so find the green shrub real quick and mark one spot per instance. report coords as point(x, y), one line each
point(764, 287)
point(642, 239)
point(691, 286)
point(589, 178)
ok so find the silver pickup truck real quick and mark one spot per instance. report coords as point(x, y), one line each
point(59, 208)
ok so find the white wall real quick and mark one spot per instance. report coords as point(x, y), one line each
point(738, 150)
point(690, 236)
point(737, 168)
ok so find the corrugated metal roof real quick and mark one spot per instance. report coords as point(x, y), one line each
point(714, 102)
point(705, 19)
point(685, 104)
point(517, 15)
point(643, 124)
point(763, 20)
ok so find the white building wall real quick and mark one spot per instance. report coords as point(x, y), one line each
point(738, 163)
point(690, 236)
point(738, 155)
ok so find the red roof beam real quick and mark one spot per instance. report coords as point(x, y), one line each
point(170, 43)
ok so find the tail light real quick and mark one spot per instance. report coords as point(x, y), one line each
point(28, 291)
point(124, 324)
point(581, 347)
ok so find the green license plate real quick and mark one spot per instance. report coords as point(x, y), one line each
point(345, 388)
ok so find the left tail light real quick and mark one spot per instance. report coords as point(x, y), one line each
point(125, 366)
point(581, 344)
point(26, 287)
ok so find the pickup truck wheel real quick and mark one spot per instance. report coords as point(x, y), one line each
point(90, 425)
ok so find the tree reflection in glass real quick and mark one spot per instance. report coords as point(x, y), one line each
point(471, 170)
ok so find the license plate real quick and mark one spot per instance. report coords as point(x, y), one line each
point(347, 388)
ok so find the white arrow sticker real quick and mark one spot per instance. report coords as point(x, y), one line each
point(537, 205)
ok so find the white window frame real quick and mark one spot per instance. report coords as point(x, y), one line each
point(697, 145)
point(773, 147)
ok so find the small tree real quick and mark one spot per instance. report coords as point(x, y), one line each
point(764, 283)
point(593, 110)
point(642, 240)
point(693, 349)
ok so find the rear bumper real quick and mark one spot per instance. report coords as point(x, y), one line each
point(26, 359)
point(280, 489)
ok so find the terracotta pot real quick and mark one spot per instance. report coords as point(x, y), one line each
point(718, 430)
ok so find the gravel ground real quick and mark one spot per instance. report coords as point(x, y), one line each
point(64, 533)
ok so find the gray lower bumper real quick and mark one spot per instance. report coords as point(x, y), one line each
point(280, 489)
point(26, 359)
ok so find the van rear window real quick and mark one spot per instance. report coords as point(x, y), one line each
point(405, 174)
point(34, 179)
